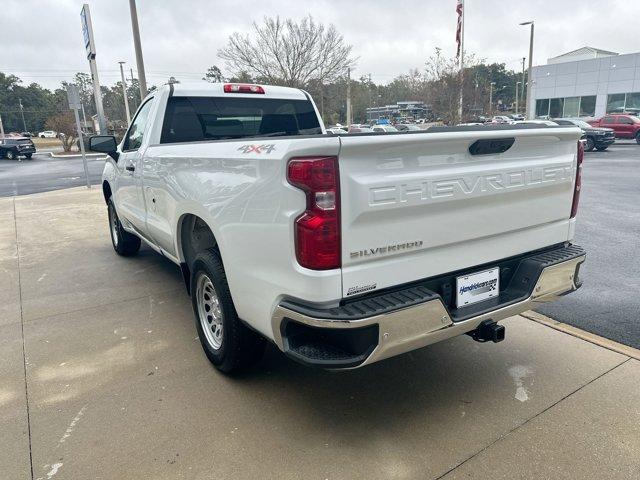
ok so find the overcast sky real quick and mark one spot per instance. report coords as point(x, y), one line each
point(42, 41)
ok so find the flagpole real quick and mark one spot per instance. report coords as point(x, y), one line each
point(461, 61)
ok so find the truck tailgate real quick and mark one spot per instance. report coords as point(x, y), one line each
point(419, 205)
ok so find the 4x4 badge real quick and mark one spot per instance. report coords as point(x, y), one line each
point(257, 148)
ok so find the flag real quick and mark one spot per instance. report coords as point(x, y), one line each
point(459, 29)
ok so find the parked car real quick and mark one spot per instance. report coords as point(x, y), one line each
point(383, 129)
point(501, 119)
point(342, 251)
point(26, 134)
point(336, 131)
point(537, 121)
point(624, 126)
point(407, 127)
point(359, 129)
point(48, 134)
point(595, 137)
point(15, 147)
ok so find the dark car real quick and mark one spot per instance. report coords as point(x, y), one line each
point(596, 137)
point(14, 147)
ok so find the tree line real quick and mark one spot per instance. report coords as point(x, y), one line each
point(304, 54)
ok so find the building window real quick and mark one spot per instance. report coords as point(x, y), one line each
point(632, 102)
point(555, 107)
point(615, 103)
point(588, 106)
point(571, 107)
point(542, 107)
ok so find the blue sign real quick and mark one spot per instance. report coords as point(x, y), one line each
point(87, 31)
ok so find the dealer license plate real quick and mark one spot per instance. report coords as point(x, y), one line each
point(477, 287)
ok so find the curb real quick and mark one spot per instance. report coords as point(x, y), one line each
point(582, 334)
point(79, 155)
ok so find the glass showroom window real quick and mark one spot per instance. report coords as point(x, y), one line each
point(571, 106)
point(633, 101)
point(615, 103)
point(542, 107)
point(556, 107)
point(588, 106)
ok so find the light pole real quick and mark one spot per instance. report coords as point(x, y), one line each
point(142, 78)
point(529, 82)
point(523, 82)
point(24, 124)
point(124, 92)
point(517, 88)
point(491, 98)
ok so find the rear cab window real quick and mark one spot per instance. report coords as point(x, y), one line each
point(193, 119)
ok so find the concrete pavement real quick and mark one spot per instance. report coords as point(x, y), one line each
point(116, 385)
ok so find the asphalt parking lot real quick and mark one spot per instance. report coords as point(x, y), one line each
point(103, 377)
point(44, 173)
point(608, 228)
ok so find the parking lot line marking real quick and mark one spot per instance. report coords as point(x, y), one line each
point(582, 334)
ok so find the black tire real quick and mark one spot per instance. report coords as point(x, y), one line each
point(28, 155)
point(9, 154)
point(638, 138)
point(590, 145)
point(602, 148)
point(124, 243)
point(239, 346)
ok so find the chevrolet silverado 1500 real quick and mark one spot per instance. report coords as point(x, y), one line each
point(342, 250)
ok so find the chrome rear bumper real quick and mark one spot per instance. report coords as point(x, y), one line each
point(413, 327)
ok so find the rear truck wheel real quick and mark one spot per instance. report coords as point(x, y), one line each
point(228, 344)
point(590, 144)
point(28, 156)
point(124, 243)
point(638, 138)
point(602, 148)
point(10, 155)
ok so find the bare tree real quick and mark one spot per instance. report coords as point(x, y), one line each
point(289, 52)
point(65, 124)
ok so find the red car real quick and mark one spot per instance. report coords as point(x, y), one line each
point(625, 126)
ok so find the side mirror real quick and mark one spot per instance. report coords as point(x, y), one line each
point(105, 144)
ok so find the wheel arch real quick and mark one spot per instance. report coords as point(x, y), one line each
point(106, 191)
point(193, 235)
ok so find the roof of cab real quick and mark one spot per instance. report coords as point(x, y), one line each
point(205, 89)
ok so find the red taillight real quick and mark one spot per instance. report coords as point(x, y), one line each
point(578, 185)
point(242, 88)
point(317, 230)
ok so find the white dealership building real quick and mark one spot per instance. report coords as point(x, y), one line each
point(587, 82)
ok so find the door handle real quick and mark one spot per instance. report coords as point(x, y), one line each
point(130, 168)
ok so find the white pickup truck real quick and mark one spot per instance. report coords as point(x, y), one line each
point(341, 249)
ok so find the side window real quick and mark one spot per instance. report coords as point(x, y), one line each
point(135, 134)
point(625, 121)
point(609, 120)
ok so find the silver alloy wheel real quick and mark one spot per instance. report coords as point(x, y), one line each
point(209, 310)
point(10, 155)
point(113, 223)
